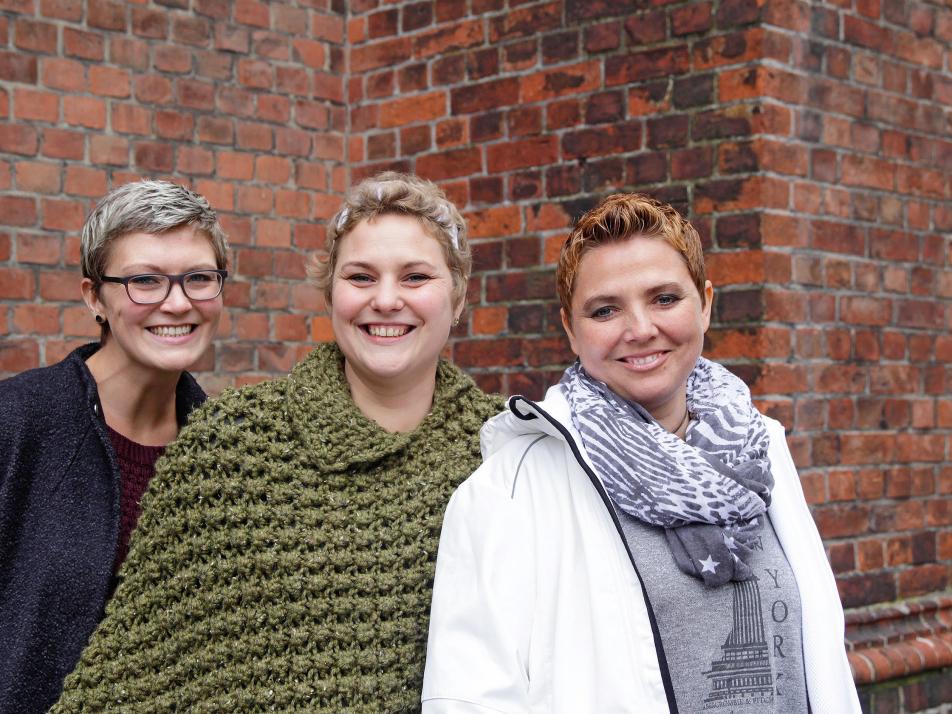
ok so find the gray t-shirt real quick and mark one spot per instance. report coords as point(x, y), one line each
point(733, 649)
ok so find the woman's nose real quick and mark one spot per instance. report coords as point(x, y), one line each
point(639, 326)
point(176, 300)
point(387, 297)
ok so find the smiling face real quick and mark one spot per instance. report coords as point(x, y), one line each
point(638, 322)
point(391, 301)
point(169, 336)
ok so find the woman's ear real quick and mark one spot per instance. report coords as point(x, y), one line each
point(708, 303)
point(91, 297)
point(567, 325)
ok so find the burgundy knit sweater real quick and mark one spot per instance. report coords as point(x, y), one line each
point(136, 468)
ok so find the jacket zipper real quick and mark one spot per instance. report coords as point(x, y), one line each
point(606, 499)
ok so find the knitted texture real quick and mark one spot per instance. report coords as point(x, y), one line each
point(284, 558)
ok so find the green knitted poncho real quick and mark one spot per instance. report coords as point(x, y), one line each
point(285, 555)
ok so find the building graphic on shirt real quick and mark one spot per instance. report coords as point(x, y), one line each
point(743, 675)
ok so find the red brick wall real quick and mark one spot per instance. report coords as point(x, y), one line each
point(807, 141)
point(243, 100)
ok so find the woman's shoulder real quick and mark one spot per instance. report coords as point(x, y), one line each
point(456, 388)
point(62, 389)
point(236, 417)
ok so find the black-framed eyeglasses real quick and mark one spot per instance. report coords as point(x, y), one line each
point(152, 288)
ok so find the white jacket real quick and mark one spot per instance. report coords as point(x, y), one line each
point(537, 605)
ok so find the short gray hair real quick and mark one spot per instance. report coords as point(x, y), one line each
point(154, 207)
point(403, 194)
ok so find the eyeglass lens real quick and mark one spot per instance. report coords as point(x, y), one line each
point(200, 285)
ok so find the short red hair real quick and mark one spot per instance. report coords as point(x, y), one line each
point(619, 218)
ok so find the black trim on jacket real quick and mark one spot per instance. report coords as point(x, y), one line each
point(606, 499)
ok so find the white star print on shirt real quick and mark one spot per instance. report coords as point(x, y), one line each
point(709, 565)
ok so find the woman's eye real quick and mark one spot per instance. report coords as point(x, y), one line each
point(145, 281)
point(667, 299)
point(603, 312)
point(417, 278)
point(358, 278)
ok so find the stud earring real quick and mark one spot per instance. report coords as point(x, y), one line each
point(455, 322)
point(100, 319)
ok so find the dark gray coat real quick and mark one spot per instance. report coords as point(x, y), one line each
point(59, 524)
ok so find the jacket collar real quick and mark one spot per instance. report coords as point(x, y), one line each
point(551, 416)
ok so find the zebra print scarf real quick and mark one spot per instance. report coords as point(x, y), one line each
point(709, 492)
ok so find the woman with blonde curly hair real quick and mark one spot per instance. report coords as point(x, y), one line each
point(285, 556)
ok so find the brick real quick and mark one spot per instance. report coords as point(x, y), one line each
point(71, 10)
point(444, 40)
point(255, 74)
point(536, 151)
point(194, 160)
point(560, 47)
point(525, 21)
point(171, 58)
point(292, 204)
point(18, 210)
point(36, 319)
point(84, 45)
point(15, 283)
point(577, 10)
point(18, 355)
point(217, 130)
point(639, 66)
point(61, 144)
point(380, 54)
point(214, 65)
point(154, 156)
point(109, 82)
point(149, 23)
point(106, 15)
point(129, 52)
point(85, 181)
point(252, 12)
point(219, 195)
point(602, 38)
point(152, 89)
point(868, 172)
point(35, 36)
point(111, 150)
point(424, 107)
point(37, 177)
point(191, 30)
point(619, 138)
point(130, 119)
point(35, 105)
point(693, 18)
point(485, 96)
point(572, 79)
point(273, 233)
point(17, 67)
point(450, 164)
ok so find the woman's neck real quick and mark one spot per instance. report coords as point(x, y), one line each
point(395, 406)
point(674, 416)
point(137, 402)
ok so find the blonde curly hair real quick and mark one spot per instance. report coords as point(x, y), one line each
point(403, 194)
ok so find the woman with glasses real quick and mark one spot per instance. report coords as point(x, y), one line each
point(80, 439)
